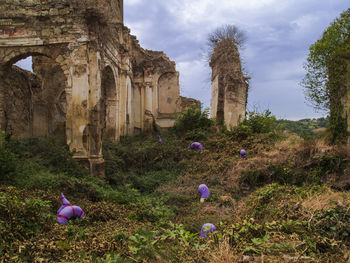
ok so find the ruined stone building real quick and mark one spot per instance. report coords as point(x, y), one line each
point(229, 85)
point(91, 79)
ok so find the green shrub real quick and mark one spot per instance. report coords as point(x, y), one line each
point(191, 119)
point(196, 135)
point(261, 122)
point(333, 223)
point(50, 152)
point(21, 218)
point(153, 209)
point(241, 132)
point(10, 164)
point(143, 245)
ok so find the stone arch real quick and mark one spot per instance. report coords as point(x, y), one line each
point(58, 53)
point(167, 93)
point(45, 90)
point(109, 104)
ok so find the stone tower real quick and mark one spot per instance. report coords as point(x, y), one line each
point(229, 85)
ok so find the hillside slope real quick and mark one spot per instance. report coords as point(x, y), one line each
point(287, 202)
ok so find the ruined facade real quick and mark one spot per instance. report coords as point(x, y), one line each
point(229, 85)
point(91, 79)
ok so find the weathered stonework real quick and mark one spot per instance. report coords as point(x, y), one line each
point(229, 85)
point(91, 80)
point(187, 102)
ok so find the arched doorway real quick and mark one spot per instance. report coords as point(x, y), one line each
point(109, 109)
point(33, 101)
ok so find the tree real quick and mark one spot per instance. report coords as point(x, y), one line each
point(324, 82)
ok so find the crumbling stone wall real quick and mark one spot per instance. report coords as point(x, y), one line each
point(17, 105)
point(95, 80)
point(187, 102)
point(229, 85)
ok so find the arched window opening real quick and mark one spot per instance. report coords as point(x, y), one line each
point(33, 93)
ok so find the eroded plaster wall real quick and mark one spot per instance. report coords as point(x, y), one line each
point(17, 87)
point(168, 93)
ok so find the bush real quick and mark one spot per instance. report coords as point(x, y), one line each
point(21, 218)
point(192, 119)
point(9, 162)
point(261, 122)
point(241, 132)
point(50, 152)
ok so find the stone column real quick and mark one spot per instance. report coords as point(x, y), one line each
point(77, 112)
point(122, 102)
point(85, 141)
point(148, 108)
point(96, 160)
point(142, 106)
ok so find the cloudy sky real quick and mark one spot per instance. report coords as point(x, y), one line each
point(279, 33)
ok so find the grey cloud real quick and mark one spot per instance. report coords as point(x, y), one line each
point(279, 36)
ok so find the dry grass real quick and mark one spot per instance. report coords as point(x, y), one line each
point(224, 254)
point(326, 200)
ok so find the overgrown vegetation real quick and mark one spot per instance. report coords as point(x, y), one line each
point(325, 80)
point(277, 203)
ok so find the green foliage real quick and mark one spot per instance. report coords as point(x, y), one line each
point(319, 168)
point(112, 258)
point(143, 245)
point(256, 123)
point(21, 218)
point(143, 164)
point(191, 120)
point(334, 223)
point(151, 184)
point(326, 70)
point(241, 132)
point(9, 161)
point(50, 152)
point(152, 209)
point(321, 54)
point(261, 122)
point(305, 127)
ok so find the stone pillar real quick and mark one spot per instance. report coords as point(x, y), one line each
point(77, 113)
point(96, 160)
point(82, 112)
point(142, 106)
point(148, 108)
point(122, 102)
